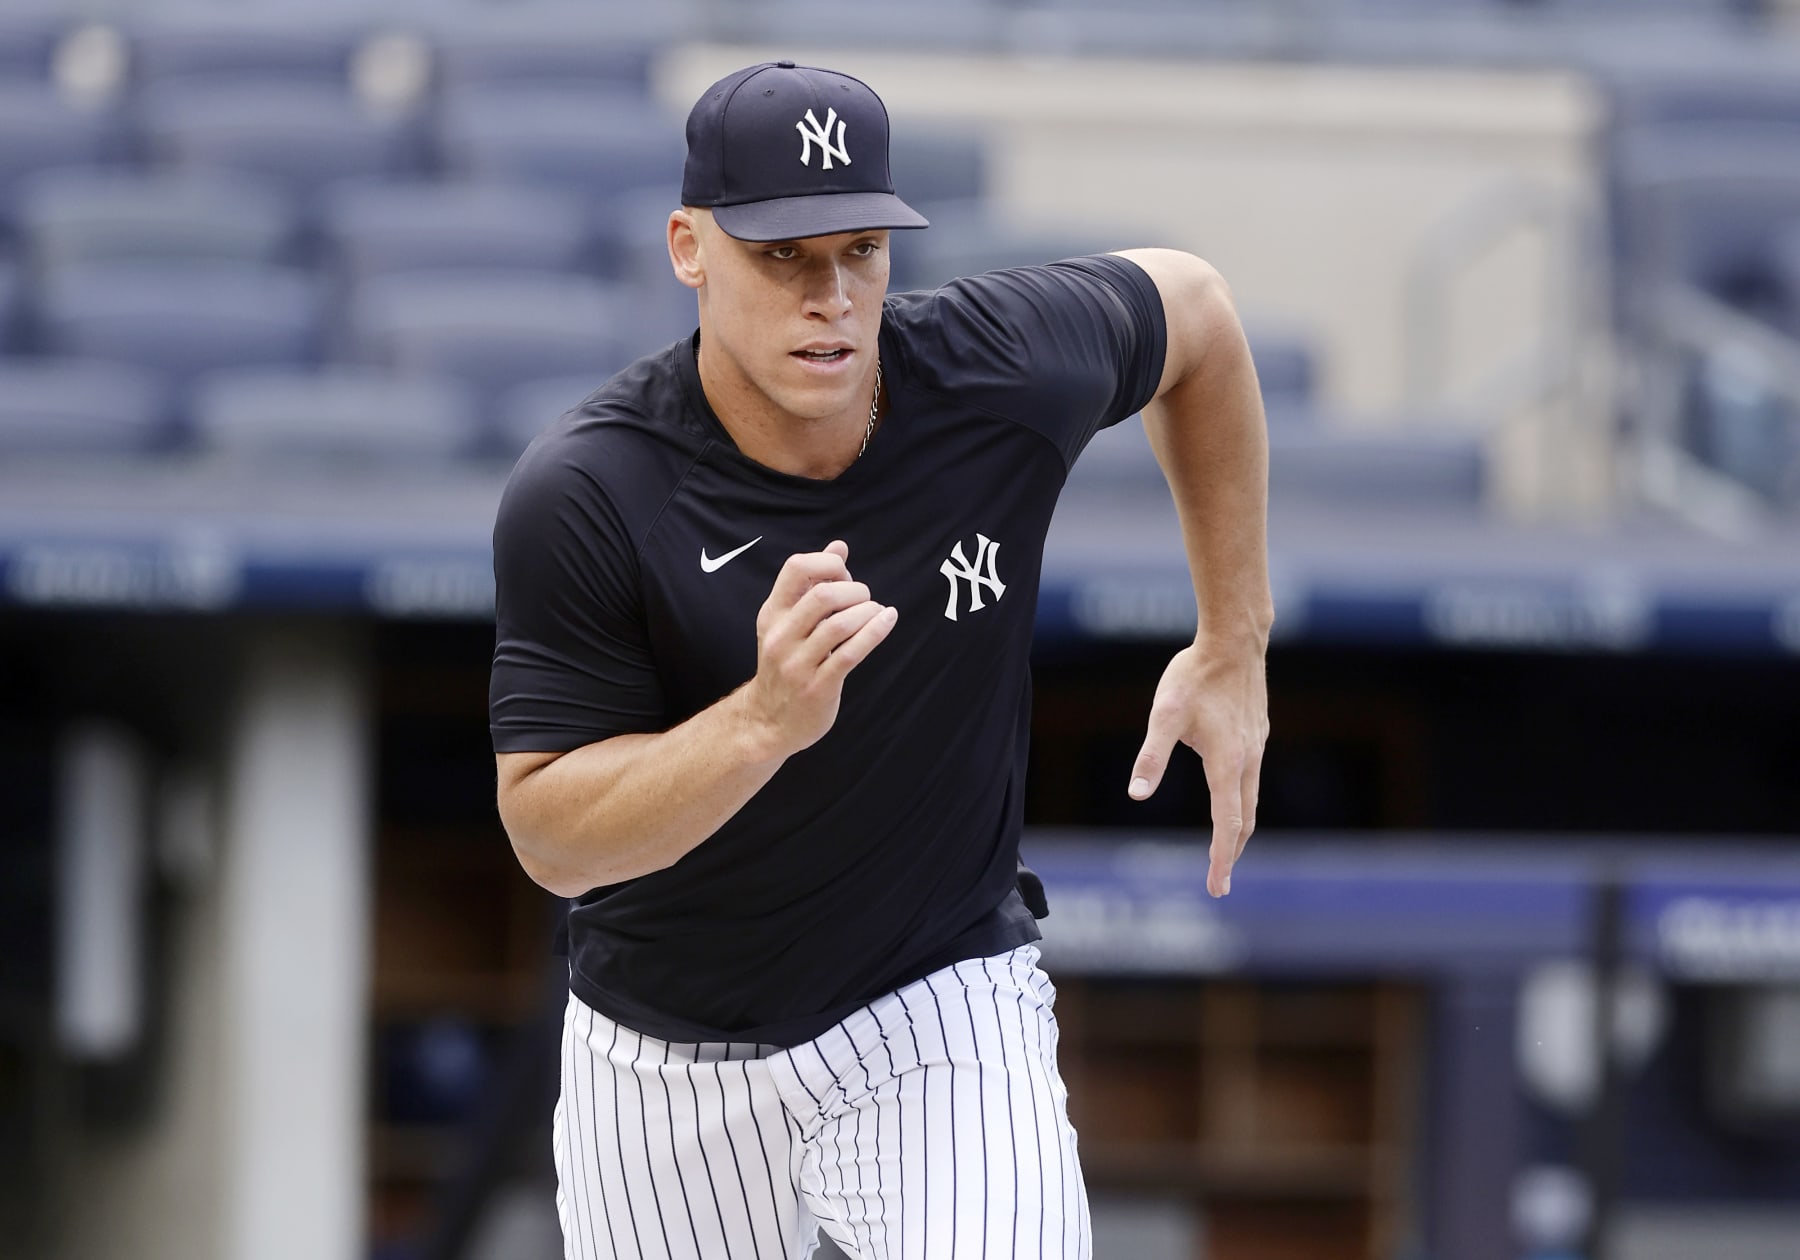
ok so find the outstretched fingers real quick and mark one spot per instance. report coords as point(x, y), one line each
point(1153, 757)
point(1225, 784)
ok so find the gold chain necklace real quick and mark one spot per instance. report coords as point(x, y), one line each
point(874, 406)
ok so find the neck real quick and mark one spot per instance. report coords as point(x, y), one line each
point(819, 447)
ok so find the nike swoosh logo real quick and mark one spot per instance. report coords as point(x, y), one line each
point(710, 565)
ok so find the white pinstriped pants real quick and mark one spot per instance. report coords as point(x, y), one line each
point(928, 1125)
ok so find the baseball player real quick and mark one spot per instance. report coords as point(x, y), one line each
point(761, 692)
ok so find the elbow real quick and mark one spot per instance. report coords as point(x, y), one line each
point(1208, 297)
point(537, 854)
point(548, 875)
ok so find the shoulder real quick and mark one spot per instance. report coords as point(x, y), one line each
point(611, 461)
point(1018, 294)
point(1065, 329)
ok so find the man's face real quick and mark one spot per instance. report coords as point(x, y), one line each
point(764, 305)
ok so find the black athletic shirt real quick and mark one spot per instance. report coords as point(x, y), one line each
point(890, 847)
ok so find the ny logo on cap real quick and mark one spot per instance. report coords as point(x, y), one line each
point(822, 137)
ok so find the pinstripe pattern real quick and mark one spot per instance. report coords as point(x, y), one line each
point(929, 1125)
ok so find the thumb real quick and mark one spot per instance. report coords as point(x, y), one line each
point(839, 548)
point(1152, 759)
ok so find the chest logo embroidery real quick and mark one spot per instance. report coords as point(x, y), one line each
point(710, 564)
point(812, 133)
point(958, 569)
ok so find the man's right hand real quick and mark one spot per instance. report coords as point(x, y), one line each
point(816, 626)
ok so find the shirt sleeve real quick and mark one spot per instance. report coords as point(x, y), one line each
point(572, 659)
point(1067, 348)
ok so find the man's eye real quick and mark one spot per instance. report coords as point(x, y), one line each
point(782, 254)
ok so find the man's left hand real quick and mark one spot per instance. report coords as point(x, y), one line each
point(1217, 703)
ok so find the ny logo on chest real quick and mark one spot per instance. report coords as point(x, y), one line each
point(958, 568)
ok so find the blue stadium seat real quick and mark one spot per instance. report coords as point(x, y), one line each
point(299, 134)
point(526, 410)
point(29, 31)
point(1163, 28)
point(1414, 465)
point(594, 143)
point(563, 43)
point(1785, 256)
point(375, 227)
point(182, 319)
point(63, 406)
point(341, 414)
point(573, 46)
point(492, 329)
point(1704, 205)
point(968, 245)
point(271, 43)
point(833, 24)
point(934, 165)
point(1286, 367)
point(1734, 92)
point(9, 305)
point(77, 215)
point(39, 130)
point(634, 233)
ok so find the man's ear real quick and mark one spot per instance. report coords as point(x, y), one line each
point(684, 248)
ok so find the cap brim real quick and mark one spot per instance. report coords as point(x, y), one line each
point(822, 214)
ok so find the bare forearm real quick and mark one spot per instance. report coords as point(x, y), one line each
point(633, 804)
point(1210, 437)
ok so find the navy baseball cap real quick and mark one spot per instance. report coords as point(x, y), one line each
point(778, 151)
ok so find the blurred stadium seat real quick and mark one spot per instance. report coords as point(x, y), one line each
point(29, 31)
point(1287, 366)
point(1786, 254)
point(1699, 91)
point(633, 237)
point(491, 329)
point(966, 241)
point(942, 24)
point(583, 47)
point(273, 43)
point(931, 166)
point(633, 232)
point(1704, 204)
point(1415, 464)
point(69, 406)
point(181, 319)
point(9, 304)
point(300, 134)
point(1411, 465)
point(526, 410)
point(373, 227)
point(339, 416)
point(38, 129)
point(77, 215)
point(596, 143)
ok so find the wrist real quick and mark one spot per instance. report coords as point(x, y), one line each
point(758, 738)
point(1241, 630)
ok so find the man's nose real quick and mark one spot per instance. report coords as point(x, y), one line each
point(826, 291)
